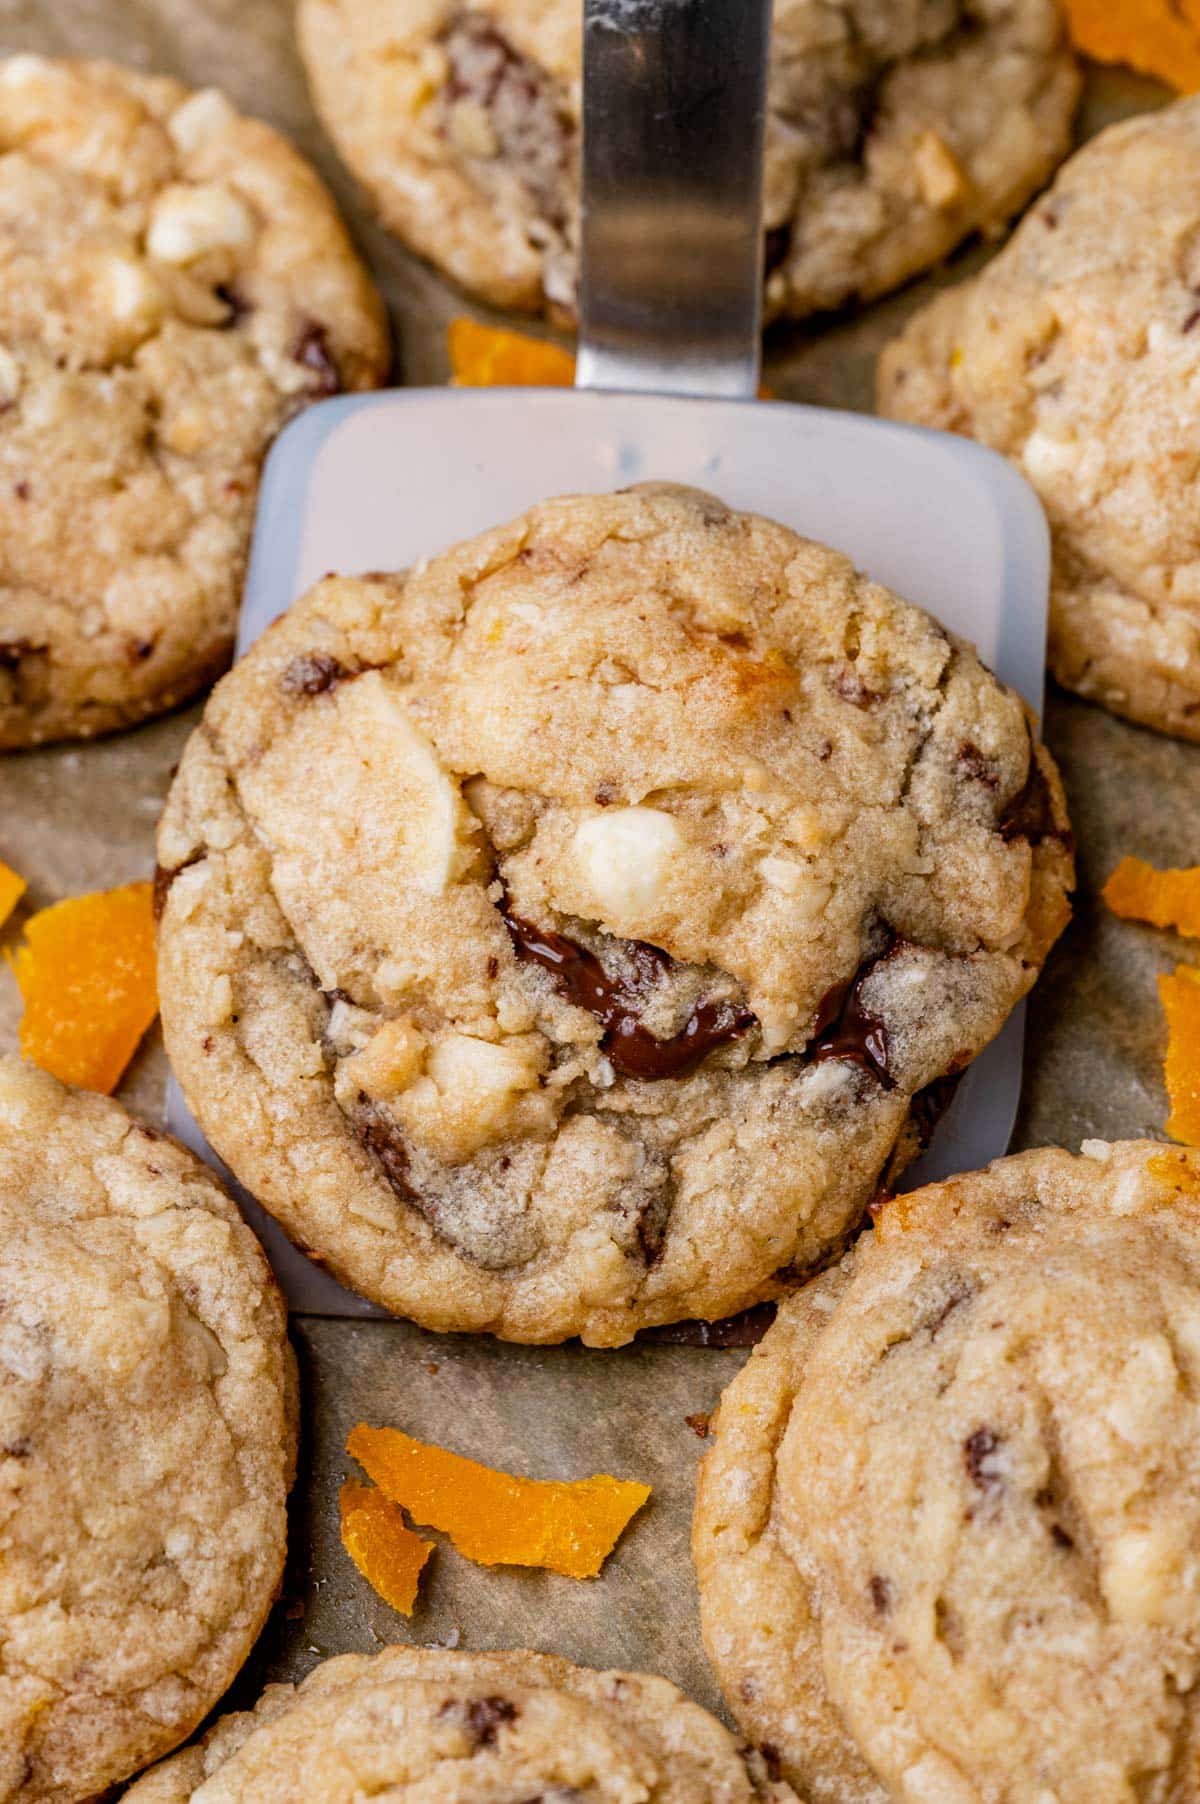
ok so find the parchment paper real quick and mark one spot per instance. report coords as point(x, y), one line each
point(79, 818)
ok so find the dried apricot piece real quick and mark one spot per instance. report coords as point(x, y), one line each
point(493, 1517)
point(12, 888)
point(86, 975)
point(1157, 37)
point(381, 1544)
point(1180, 992)
point(1137, 892)
point(493, 357)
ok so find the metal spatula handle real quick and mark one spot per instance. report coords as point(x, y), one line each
point(674, 103)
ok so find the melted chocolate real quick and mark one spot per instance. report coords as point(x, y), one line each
point(930, 1104)
point(632, 1048)
point(1030, 814)
point(847, 1030)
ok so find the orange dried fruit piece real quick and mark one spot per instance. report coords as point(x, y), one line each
point(1137, 892)
point(494, 357)
point(86, 975)
point(1180, 993)
point(381, 1544)
point(1156, 37)
point(493, 1517)
point(1179, 1171)
point(12, 888)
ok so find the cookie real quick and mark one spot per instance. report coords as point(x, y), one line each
point(175, 284)
point(147, 1438)
point(508, 1725)
point(1076, 353)
point(946, 1536)
point(893, 133)
point(560, 938)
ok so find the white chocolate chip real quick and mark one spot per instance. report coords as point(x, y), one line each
point(1142, 1576)
point(1046, 456)
point(187, 223)
point(1100, 1150)
point(388, 1063)
point(940, 175)
point(22, 71)
point(202, 116)
point(783, 874)
point(623, 855)
point(474, 1091)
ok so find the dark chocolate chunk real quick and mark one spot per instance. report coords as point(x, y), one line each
point(852, 1032)
point(235, 300)
point(777, 242)
point(744, 1330)
point(313, 673)
point(1030, 813)
point(979, 1450)
point(847, 683)
point(528, 117)
point(311, 351)
point(382, 1140)
point(976, 766)
point(12, 651)
point(632, 1048)
point(650, 1228)
point(771, 1760)
point(881, 1595)
point(483, 1718)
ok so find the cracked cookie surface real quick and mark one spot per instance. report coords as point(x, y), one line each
point(176, 284)
point(946, 1537)
point(893, 132)
point(147, 1440)
point(1076, 353)
point(558, 939)
point(418, 1723)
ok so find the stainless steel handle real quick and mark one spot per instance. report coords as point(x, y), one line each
point(674, 104)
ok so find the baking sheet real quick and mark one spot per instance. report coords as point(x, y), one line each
point(83, 817)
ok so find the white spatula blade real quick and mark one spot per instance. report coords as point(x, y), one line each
point(374, 482)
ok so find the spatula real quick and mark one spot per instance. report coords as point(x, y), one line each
point(669, 348)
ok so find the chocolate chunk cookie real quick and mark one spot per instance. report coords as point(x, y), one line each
point(174, 285)
point(416, 1721)
point(1077, 354)
point(947, 1534)
point(147, 1436)
point(557, 938)
point(893, 132)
